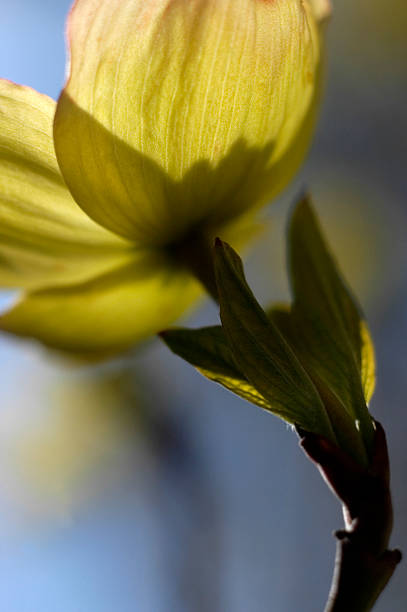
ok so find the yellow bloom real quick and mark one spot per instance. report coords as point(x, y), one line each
point(179, 117)
point(68, 452)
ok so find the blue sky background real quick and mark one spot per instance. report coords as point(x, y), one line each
point(141, 487)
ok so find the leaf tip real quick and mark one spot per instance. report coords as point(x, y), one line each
point(166, 335)
point(302, 207)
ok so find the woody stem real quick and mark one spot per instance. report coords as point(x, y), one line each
point(363, 564)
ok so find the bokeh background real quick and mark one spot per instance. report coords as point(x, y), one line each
point(138, 486)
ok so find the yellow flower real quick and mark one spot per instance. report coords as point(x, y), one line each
point(69, 451)
point(179, 118)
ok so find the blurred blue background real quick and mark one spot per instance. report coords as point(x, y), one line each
point(138, 485)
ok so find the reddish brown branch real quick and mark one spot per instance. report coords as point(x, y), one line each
point(363, 564)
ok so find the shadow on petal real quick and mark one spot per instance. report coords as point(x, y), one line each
point(130, 194)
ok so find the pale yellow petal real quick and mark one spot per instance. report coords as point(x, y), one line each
point(44, 236)
point(108, 314)
point(176, 112)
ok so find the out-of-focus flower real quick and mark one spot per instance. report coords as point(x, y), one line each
point(179, 119)
point(82, 440)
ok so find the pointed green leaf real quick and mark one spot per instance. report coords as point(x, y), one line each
point(262, 354)
point(329, 328)
point(282, 317)
point(207, 349)
point(342, 422)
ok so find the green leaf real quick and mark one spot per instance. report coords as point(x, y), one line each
point(312, 364)
point(207, 349)
point(342, 422)
point(327, 324)
point(262, 354)
point(281, 316)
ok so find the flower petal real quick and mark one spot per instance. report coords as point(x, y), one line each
point(108, 314)
point(175, 112)
point(44, 236)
